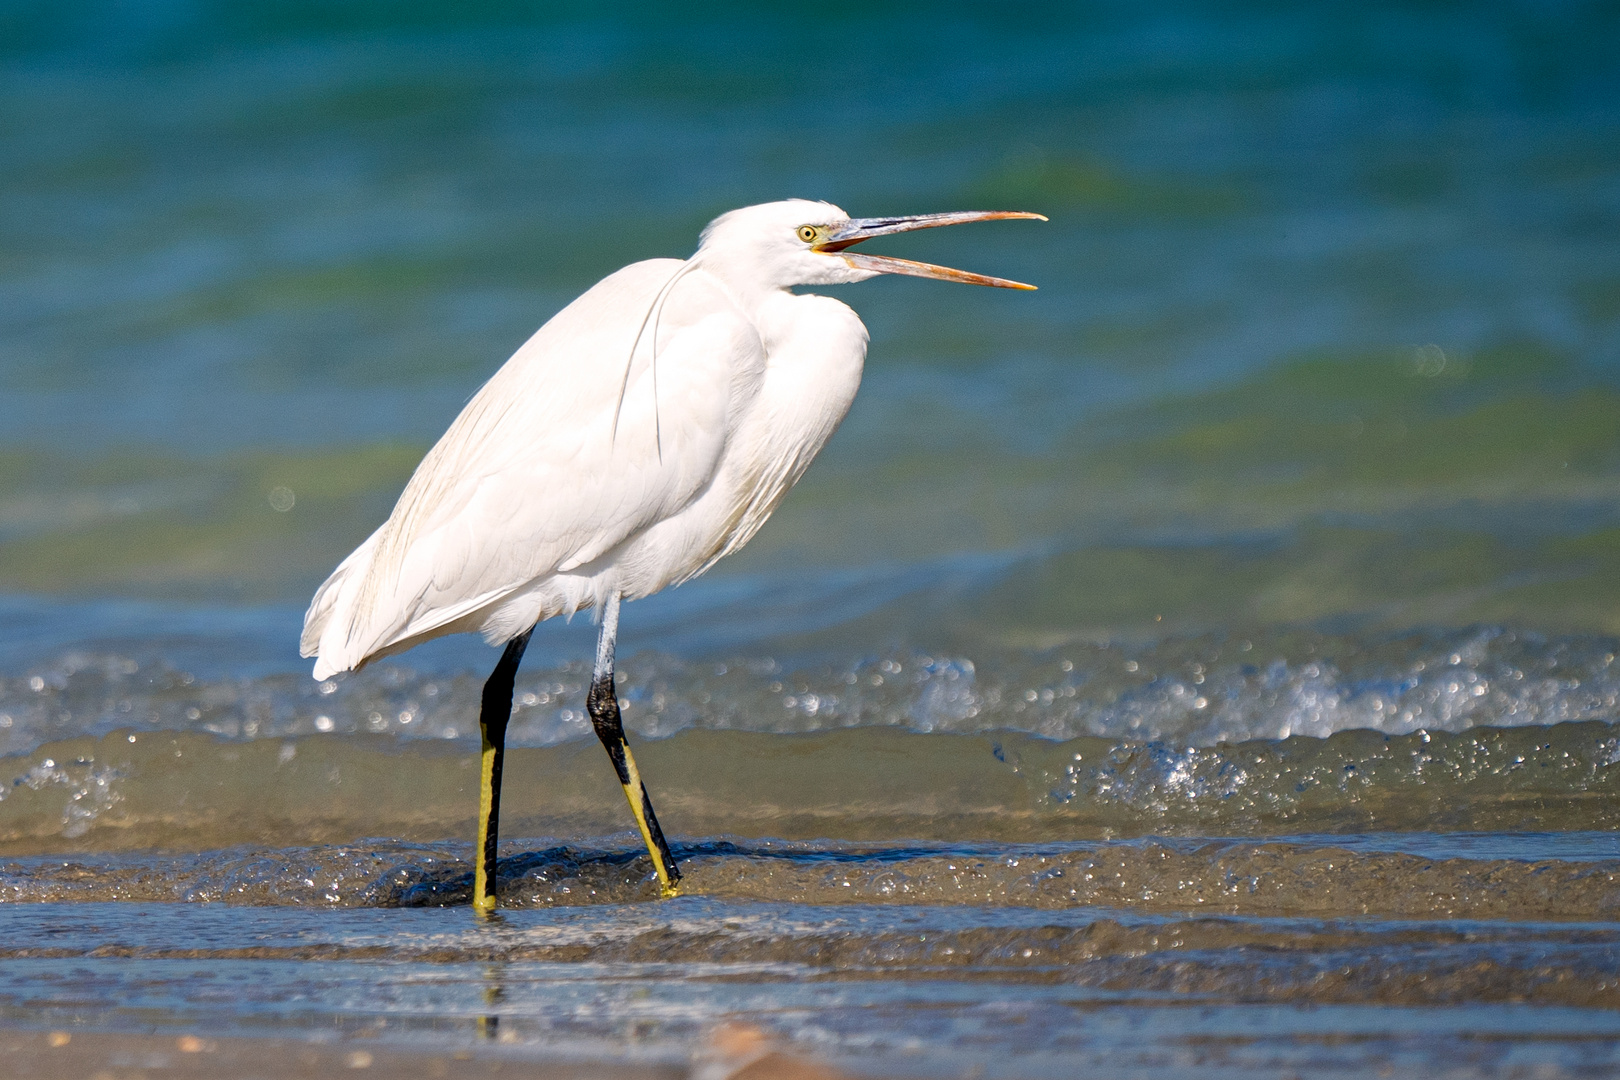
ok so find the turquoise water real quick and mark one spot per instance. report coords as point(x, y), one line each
point(1286, 513)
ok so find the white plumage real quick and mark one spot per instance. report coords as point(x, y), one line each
point(645, 431)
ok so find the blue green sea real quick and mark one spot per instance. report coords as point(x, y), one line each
point(1202, 666)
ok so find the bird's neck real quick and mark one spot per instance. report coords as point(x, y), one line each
point(750, 290)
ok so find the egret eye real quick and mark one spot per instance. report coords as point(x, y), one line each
point(807, 233)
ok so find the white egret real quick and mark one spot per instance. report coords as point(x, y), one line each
point(644, 432)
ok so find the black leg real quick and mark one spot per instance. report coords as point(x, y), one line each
point(603, 705)
point(493, 715)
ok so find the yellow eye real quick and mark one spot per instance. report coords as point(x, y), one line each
point(807, 233)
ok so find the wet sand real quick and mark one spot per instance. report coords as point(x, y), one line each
point(733, 1053)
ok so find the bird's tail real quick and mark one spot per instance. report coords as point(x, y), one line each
point(333, 601)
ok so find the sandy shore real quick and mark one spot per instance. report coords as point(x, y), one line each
point(736, 1054)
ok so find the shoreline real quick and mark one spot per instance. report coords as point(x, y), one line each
point(735, 1052)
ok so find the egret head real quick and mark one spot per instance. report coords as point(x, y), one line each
point(799, 242)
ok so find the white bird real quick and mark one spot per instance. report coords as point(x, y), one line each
point(644, 432)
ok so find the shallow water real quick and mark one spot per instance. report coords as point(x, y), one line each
point(1205, 664)
point(1005, 990)
point(1472, 731)
point(1492, 876)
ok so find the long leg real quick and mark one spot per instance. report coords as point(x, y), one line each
point(603, 705)
point(493, 714)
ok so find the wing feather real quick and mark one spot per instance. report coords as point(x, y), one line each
point(532, 478)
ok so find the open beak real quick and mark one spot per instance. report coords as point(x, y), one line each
point(853, 231)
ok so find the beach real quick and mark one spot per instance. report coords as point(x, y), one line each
point(1204, 665)
point(46, 1055)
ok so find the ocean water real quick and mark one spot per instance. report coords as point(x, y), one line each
point(1203, 665)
